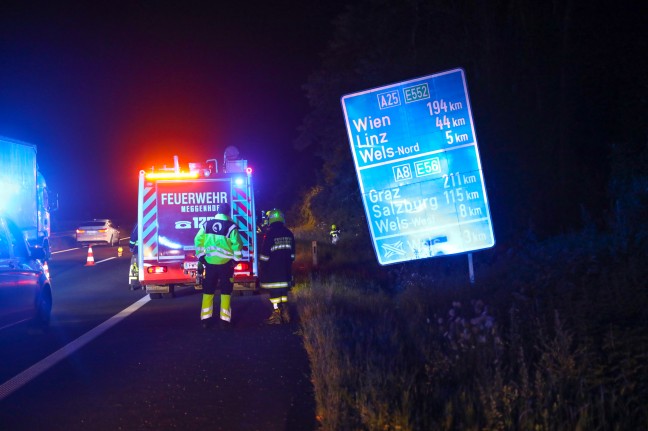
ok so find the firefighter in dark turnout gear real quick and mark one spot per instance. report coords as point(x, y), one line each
point(276, 257)
point(218, 246)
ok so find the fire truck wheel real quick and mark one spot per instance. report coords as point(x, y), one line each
point(171, 293)
point(155, 295)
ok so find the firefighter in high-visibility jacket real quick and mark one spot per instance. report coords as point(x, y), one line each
point(218, 246)
point(133, 271)
point(276, 257)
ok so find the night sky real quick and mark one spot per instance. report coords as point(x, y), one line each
point(105, 89)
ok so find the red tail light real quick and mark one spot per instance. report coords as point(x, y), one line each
point(242, 266)
point(156, 269)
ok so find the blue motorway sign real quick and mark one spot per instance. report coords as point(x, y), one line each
point(418, 167)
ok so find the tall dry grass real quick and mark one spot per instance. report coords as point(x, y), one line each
point(553, 337)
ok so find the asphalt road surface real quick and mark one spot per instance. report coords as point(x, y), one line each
point(115, 360)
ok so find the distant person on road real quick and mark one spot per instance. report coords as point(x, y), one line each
point(218, 246)
point(334, 234)
point(133, 272)
point(133, 243)
point(276, 257)
point(263, 227)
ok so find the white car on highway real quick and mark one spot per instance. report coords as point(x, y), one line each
point(98, 231)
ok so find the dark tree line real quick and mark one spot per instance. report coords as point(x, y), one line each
point(554, 86)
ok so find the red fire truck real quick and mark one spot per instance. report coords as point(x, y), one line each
point(173, 203)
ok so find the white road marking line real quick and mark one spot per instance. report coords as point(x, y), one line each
point(100, 261)
point(16, 382)
point(79, 248)
point(63, 251)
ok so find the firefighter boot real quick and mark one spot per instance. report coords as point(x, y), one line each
point(285, 312)
point(207, 310)
point(275, 317)
point(225, 312)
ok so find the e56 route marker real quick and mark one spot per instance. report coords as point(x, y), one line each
point(416, 157)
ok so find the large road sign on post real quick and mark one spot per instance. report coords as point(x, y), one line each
point(416, 157)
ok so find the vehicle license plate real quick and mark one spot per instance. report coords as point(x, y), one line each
point(155, 288)
point(191, 265)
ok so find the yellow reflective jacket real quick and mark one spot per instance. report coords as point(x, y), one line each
point(219, 241)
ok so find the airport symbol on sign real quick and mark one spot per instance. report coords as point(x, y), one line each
point(418, 166)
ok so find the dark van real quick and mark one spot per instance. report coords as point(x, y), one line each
point(25, 289)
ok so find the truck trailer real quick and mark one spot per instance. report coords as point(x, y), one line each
point(24, 195)
point(174, 203)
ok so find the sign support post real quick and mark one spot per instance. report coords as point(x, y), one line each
point(471, 272)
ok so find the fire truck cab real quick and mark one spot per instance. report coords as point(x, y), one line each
point(174, 203)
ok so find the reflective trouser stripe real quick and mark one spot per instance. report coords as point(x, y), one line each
point(225, 314)
point(207, 306)
point(225, 311)
point(134, 273)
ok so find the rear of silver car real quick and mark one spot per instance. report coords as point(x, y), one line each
point(96, 231)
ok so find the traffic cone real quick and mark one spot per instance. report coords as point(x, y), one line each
point(90, 260)
point(120, 251)
point(46, 269)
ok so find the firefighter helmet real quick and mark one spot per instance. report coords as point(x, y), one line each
point(275, 215)
point(224, 208)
